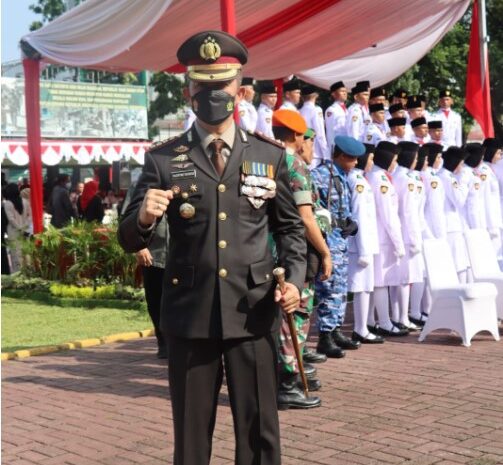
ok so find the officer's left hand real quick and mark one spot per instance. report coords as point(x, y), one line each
point(289, 300)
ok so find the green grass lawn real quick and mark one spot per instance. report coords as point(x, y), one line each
point(29, 323)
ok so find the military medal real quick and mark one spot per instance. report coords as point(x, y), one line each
point(187, 210)
point(181, 149)
point(176, 189)
point(193, 188)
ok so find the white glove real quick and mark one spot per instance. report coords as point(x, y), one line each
point(399, 253)
point(363, 261)
point(414, 250)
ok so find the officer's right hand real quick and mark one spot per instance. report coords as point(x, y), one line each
point(155, 203)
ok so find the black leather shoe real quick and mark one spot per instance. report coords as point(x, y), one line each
point(291, 396)
point(309, 371)
point(394, 332)
point(162, 352)
point(312, 385)
point(327, 346)
point(419, 321)
point(365, 340)
point(310, 356)
point(344, 342)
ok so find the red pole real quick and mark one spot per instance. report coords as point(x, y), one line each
point(32, 106)
point(278, 83)
point(228, 16)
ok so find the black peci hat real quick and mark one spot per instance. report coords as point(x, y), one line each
point(336, 85)
point(413, 102)
point(434, 124)
point(453, 156)
point(492, 145)
point(360, 87)
point(400, 93)
point(247, 81)
point(418, 122)
point(267, 87)
point(422, 156)
point(475, 154)
point(408, 153)
point(376, 107)
point(293, 84)
point(362, 161)
point(377, 92)
point(392, 122)
point(308, 89)
point(395, 107)
point(433, 151)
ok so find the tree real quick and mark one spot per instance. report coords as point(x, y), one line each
point(49, 9)
point(169, 89)
point(445, 66)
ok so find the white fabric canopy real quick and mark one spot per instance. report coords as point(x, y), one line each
point(345, 39)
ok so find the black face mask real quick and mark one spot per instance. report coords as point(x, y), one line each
point(213, 106)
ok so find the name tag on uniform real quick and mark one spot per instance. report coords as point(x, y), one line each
point(186, 174)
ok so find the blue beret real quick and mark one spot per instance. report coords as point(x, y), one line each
point(350, 146)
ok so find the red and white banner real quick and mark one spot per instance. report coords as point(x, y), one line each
point(82, 152)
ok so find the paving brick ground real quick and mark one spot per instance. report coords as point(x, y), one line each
point(401, 403)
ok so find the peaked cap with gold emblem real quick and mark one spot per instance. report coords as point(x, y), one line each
point(212, 56)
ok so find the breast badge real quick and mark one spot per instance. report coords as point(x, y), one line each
point(187, 210)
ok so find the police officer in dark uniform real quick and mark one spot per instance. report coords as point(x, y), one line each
point(222, 190)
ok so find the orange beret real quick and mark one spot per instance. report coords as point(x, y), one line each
point(289, 119)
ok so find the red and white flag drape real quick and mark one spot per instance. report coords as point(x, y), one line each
point(478, 91)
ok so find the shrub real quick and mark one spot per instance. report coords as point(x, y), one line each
point(83, 253)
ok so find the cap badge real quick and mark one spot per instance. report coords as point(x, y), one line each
point(447, 92)
point(210, 50)
point(230, 106)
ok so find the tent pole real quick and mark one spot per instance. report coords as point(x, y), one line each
point(228, 16)
point(278, 83)
point(32, 106)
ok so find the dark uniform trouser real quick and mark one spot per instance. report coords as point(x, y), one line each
point(152, 283)
point(195, 378)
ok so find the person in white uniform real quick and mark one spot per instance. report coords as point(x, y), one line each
point(377, 95)
point(313, 116)
point(363, 247)
point(436, 132)
point(397, 110)
point(335, 115)
point(247, 112)
point(412, 265)
point(420, 131)
point(268, 99)
point(391, 246)
point(397, 130)
point(291, 95)
point(414, 110)
point(400, 96)
point(492, 194)
point(498, 171)
point(451, 120)
point(420, 297)
point(435, 193)
point(377, 130)
point(474, 213)
point(455, 199)
point(358, 116)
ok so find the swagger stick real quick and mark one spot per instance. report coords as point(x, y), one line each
point(279, 274)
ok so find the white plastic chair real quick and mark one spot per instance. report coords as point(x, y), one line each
point(485, 267)
point(464, 308)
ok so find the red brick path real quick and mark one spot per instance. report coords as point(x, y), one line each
point(400, 403)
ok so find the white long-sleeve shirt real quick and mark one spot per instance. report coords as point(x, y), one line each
point(313, 115)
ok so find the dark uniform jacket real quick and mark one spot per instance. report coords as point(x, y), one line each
point(218, 281)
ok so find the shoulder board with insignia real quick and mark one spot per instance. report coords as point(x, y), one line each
point(161, 143)
point(264, 138)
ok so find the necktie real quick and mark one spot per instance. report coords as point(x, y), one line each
point(343, 106)
point(217, 158)
point(446, 113)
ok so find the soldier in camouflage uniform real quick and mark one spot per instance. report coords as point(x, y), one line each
point(289, 127)
point(331, 294)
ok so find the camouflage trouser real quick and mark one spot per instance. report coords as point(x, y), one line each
point(286, 353)
point(331, 295)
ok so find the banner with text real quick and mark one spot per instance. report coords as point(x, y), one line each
point(80, 110)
